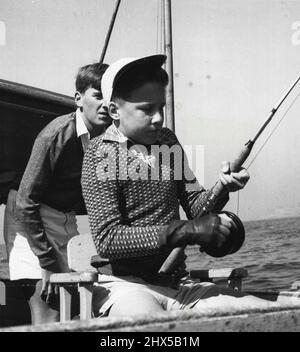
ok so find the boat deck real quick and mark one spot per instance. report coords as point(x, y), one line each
point(281, 313)
point(280, 318)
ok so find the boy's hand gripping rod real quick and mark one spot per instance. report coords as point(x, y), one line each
point(218, 189)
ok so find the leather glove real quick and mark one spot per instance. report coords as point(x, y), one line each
point(207, 230)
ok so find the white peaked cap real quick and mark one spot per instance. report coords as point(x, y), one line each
point(116, 69)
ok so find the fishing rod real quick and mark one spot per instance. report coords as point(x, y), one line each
point(219, 189)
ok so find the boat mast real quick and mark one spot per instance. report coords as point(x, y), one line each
point(170, 116)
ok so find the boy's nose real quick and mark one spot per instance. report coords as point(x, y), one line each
point(158, 118)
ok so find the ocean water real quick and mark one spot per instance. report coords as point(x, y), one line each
point(271, 254)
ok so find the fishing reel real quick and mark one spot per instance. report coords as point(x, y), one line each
point(234, 241)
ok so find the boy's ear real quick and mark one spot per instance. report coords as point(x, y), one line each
point(113, 110)
point(78, 99)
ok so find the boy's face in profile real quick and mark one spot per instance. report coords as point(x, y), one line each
point(141, 115)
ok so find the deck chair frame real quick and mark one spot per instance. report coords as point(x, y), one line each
point(84, 276)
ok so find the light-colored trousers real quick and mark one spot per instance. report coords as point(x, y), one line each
point(59, 228)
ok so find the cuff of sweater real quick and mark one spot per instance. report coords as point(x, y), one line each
point(49, 263)
point(41, 247)
point(211, 203)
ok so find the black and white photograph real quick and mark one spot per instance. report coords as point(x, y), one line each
point(149, 169)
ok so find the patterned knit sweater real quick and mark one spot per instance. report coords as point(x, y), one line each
point(128, 209)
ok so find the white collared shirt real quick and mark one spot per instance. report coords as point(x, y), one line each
point(82, 131)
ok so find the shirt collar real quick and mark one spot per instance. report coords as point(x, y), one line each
point(113, 134)
point(81, 128)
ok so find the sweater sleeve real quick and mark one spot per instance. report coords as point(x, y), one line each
point(193, 197)
point(34, 182)
point(113, 238)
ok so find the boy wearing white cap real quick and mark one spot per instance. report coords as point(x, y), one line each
point(132, 195)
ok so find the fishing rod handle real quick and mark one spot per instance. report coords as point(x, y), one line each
point(219, 190)
point(171, 261)
point(244, 153)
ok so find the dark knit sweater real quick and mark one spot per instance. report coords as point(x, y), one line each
point(52, 177)
point(128, 216)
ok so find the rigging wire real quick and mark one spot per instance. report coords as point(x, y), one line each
point(111, 26)
point(162, 30)
point(160, 27)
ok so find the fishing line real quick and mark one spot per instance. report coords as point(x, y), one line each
point(272, 132)
point(238, 203)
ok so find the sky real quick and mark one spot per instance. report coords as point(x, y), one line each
point(233, 61)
